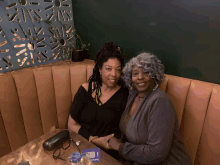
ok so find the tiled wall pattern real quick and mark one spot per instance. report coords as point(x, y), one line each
point(35, 32)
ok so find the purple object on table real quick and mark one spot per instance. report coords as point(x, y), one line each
point(93, 154)
point(75, 157)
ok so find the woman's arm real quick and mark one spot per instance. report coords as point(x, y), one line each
point(159, 125)
point(74, 122)
point(114, 143)
point(73, 125)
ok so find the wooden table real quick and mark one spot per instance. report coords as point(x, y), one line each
point(36, 155)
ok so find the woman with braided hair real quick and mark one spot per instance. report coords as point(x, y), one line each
point(99, 104)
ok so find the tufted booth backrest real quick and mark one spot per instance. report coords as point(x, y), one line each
point(198, 110)
point(35, 99)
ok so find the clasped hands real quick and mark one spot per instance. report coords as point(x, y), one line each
point(107, 142)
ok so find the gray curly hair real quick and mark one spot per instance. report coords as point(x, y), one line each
point(149, 62)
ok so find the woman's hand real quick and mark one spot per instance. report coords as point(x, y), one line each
point(114, 143)
point(102, 141)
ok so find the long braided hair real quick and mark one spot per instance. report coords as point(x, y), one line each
point(109, 50)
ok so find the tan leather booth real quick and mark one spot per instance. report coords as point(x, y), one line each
point(34, 101)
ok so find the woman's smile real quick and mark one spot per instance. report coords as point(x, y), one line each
point(141, 84)
point(112, 80)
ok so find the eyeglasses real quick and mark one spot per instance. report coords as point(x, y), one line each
point(57, 152)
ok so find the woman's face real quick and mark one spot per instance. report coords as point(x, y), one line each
point(111, 72)
point(141, 81)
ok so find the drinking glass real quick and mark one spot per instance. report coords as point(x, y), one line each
point(85, 160)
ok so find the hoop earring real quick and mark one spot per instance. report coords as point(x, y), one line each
point(156, 86)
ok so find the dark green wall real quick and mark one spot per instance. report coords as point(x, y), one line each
point(185, 36)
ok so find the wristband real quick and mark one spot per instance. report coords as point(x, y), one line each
point(92, 137)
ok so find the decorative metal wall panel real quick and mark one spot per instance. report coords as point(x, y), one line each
point(35, 32)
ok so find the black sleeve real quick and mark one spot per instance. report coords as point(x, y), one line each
point(84, 132)
point(76, 108)
point(77, 104)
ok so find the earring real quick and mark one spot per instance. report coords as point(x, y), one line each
point(156, 86)
point(132, 86)
point(100, 75)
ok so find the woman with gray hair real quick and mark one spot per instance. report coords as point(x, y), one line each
point(149, 125)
